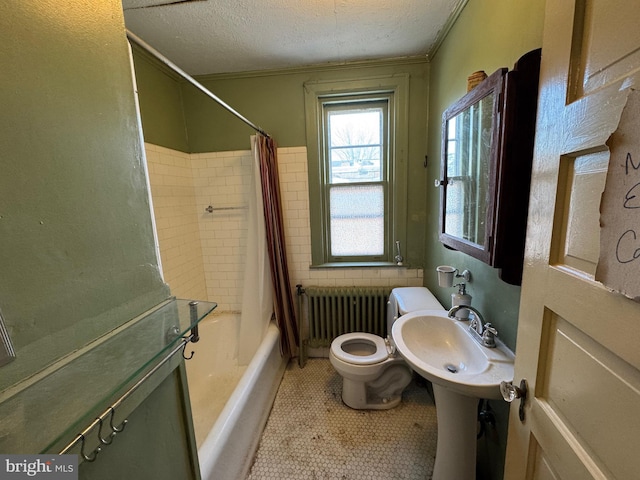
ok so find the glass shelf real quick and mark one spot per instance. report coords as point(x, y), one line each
point(55, 408)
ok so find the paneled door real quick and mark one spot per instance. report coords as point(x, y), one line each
point(578, 343)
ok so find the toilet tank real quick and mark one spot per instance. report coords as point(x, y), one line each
point(409, 299)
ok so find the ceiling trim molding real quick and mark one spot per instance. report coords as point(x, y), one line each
point(409, 60)
point(442, 34)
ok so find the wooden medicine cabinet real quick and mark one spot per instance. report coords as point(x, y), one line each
point(487, 144)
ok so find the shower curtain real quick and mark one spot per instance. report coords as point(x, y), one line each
point(257, 295)
point(274, 226)
point(262, 295)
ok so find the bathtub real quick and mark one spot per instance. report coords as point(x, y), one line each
point(230, 403)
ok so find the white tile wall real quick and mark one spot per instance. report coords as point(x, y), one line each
point(184, 185)
point(223, 180)
point(176, 221)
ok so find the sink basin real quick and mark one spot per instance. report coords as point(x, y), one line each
point(442, 350)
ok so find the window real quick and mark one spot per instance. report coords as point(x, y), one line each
point(355, 186)
point(355, 173)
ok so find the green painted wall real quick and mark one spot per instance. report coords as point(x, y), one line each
point(489, 34)
point(77, 256)
point(150, 446)
point(275, 102)
point(161, 105)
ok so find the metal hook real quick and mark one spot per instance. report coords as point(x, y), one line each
point(120, 427)
point(110, 437)
point(94, 454)
point(184, 356)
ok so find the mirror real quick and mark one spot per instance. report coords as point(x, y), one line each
point(470, 137)
point(487, 151)
point(467, 170)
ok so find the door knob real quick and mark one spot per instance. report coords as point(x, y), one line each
point(510, 392)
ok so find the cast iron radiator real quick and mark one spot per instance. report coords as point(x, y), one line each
point(332, 311)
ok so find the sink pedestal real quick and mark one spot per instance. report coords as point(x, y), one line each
point(457, 429)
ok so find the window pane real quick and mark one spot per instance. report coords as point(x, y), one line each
point(357, 220)
point(355, 146)
point(355, 127)
point(345, 169)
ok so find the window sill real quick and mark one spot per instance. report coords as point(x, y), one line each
point(359, 265)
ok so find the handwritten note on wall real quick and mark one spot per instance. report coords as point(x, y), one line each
point(619, 263)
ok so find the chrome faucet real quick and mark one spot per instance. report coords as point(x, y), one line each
point(476, 322)
point(484, 333)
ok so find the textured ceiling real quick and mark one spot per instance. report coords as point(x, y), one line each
point(219, 36)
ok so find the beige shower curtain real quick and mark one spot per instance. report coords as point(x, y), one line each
point(257, 292)
point(283, 294)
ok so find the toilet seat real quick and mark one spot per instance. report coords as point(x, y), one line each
point(381, 353)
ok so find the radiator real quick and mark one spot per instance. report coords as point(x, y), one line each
point(332, 311)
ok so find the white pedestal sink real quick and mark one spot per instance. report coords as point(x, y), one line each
point(442, 350)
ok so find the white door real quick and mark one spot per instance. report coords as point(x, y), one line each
point(578, 344)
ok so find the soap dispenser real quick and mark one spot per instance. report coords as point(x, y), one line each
point(461, 298)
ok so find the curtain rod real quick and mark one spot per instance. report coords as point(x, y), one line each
point(145, 46)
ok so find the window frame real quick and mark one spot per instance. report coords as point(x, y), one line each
point(391, 89)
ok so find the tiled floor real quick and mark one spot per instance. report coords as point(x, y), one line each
point(311, 434)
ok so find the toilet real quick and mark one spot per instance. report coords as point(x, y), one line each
point(373, 374)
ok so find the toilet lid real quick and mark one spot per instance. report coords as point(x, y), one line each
point(410, 299)
point(380, 354)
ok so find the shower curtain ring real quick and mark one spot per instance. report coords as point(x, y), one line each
point(93, 455)
point(110, 436)
point(120, 427)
